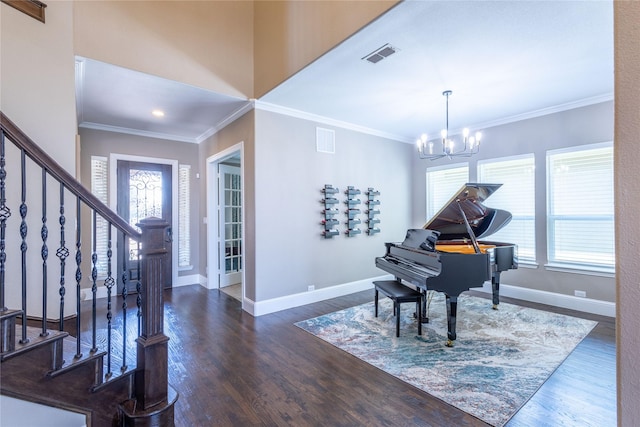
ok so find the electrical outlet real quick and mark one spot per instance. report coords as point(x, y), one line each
point(311, 288)
point(581, 294)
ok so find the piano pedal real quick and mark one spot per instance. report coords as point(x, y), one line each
point(424, 319)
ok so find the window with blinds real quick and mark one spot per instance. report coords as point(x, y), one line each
point(99, 187)
point(442, 183)
point(580, 215)
point(517, 196)
point(184, 213)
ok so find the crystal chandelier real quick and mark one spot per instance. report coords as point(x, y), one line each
point(447, 146)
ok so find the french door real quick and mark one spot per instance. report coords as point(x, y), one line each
point(144, 190)
point(230, 230)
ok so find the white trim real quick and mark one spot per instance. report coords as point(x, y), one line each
point(588, 270)
point(545, 111)
point(129, 131)
point(226, 121)
point(191, 279)
point(261, 105)
point(290, 301)
point(587, 305)
point(579, 148)
point(211, 169)
point(113, 200)
point(265, 106)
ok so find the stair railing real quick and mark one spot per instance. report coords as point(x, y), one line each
point(151, 386)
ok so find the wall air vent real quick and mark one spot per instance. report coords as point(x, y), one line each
point(380, 53)
point(325, 140)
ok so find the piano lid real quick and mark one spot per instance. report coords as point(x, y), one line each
point(483, 221)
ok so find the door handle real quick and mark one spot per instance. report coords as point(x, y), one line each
point(169, 237)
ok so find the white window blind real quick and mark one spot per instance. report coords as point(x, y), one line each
point(184, 214)
point(580, 207)
point(517, 196)
point(99, 187)
point(442, 184)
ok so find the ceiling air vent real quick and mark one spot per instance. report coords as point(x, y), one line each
point(325, 141)
point(380, 53)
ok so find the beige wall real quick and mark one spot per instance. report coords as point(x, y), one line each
point(37, 81)
point(208, 44)
point(627, 158)
point(289, 35)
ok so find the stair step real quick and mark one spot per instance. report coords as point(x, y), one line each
point(34, 341)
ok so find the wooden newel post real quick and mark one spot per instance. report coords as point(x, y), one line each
point(154, 396)
point(151, 380)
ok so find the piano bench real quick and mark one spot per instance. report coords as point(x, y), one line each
point(399, 293)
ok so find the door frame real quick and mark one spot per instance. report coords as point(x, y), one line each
point(213, 223)
point(113, 200)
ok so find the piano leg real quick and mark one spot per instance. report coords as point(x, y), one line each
point(452, 309)
point(424, 303)
point(495, 289)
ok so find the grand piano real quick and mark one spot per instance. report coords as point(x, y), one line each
point(446, 255)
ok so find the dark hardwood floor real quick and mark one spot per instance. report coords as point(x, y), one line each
point(232, 369)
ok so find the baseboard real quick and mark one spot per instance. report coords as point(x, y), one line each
point(192, 279)
point(290, 301)
point(587, 305)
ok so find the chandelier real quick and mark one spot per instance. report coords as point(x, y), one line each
point(446, 146)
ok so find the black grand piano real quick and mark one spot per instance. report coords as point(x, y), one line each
point(446, 255)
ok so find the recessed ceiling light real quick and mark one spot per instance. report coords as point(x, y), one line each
point(158, 113)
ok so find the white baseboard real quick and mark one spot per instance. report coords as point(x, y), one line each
point(587, 305)
point(192, 279)
point(282, 303)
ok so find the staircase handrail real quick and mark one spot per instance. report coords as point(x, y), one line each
point(53, 168)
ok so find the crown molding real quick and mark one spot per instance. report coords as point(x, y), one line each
point(226, 121)
point(545, 111)
point(266, 106)
point(129, 131)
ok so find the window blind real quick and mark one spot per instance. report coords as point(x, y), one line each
point(99, 187)
point(184, 214)
point(442, 184)
point(580, 206)
point(517, 196)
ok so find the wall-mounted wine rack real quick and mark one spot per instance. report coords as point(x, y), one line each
point(372, 210)
point(330, 210)
point(352, 211)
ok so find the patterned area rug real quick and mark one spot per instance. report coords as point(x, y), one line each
point(500, 358)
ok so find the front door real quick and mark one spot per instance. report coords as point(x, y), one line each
point(230, 233)
point(144, 190)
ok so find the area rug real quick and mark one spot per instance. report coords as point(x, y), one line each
point(499, 360)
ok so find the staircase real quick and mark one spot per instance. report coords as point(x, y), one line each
point(107, 362)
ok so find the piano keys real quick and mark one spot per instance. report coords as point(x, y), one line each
point(446, 255)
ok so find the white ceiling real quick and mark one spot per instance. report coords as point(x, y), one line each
point(503, 60)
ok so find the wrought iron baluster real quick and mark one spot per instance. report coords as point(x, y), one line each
point(23, 245)
point(5, 213)
point(44, 253)
point(94, 285)
point(78, 276)
point(125, 293)
point(62, 253)
point(108, 282)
